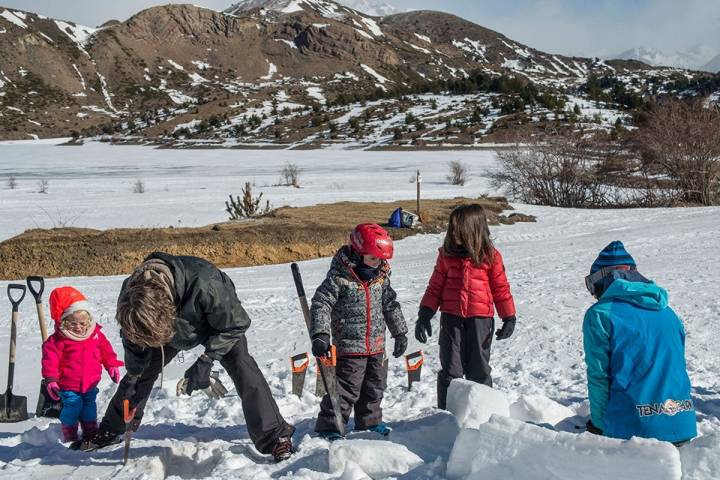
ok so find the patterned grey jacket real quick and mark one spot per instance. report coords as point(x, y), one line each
point(355, 312)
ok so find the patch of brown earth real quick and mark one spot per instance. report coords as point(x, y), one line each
point(285, 235)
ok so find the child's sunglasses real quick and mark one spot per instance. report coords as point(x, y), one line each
point(594, 278)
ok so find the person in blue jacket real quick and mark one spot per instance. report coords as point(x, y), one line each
point(635, 354)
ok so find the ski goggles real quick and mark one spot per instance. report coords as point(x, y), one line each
point(594, 278)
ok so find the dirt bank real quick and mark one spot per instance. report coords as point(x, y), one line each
point(287, 234)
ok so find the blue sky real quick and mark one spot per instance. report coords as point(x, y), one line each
point(572, 27)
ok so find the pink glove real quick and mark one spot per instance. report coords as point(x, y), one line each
point(53, 390)
point(114, 373)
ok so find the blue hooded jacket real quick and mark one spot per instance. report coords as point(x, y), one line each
point(635, 354)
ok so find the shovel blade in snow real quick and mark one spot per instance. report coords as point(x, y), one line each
point(299, 370)
point(13, 408)
point(413, 365)
point(46, 406)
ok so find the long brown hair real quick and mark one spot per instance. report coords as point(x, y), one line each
point(146, 313)
point(468, 226)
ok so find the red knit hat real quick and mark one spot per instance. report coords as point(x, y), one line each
point(65, 301)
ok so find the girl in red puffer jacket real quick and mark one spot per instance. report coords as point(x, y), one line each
point(467, 285)
point(72, 361)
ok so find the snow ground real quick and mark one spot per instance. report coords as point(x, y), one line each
point(92, 186)
point(540, 367)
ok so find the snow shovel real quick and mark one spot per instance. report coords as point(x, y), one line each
point(298, 372)
point(413, 364)
point(13, 408)
point(329, 381)
point(46, 406)
point(128, 416)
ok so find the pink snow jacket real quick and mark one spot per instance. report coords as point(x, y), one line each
point(77, 365)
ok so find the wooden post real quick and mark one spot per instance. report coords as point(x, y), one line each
point(418, 181)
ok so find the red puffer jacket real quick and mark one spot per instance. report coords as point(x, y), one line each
point(461, 288)
point(77, 365)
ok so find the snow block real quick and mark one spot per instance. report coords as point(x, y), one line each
point(473, 403)
point(353, 472)
point(513, 450)
point(376, 458)
point(539, 409)
point(701, 458)
point(37, 437)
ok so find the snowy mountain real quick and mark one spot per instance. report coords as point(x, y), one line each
point(370, 7)
point(376, 8)
point(181, 70)
point(695, 58)
point(713, 65)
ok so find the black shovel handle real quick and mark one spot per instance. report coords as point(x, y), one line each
point(37, 293)
point(16, 303)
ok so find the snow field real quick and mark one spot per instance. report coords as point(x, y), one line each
point(92, 186)
point(540, 369)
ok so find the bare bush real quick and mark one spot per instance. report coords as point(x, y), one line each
point(139, 186)
point(562, 171)
point(290, 175)
point(247, 206)
point(43, 186)
point(60, 219)
point(458, 173)
point(681, 141)
point(12, 182)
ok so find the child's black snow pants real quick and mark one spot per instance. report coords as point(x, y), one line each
point(360, 386)
point(264, 422)
point(464, 351)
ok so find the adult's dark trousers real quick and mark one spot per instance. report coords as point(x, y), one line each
point(360, 386)
point(464, 352)
point(264, 422)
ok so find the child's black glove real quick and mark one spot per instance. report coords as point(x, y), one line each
point(507, 329)
point(401, 342)
point(423, 328)
point(321, 345)
point(198, 375)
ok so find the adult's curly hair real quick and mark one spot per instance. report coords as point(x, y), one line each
point(146, 312)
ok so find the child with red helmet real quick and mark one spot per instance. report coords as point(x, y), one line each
point(72, 361)
point(467, 286)
point(355, 304)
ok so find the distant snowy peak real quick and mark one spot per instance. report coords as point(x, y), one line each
point(696, 58)
point(325, 7)
point(713, 65)
point(375, 8)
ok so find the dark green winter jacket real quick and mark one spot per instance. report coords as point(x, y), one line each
point(208, 311)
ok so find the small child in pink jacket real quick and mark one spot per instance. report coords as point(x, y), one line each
point(72, 361)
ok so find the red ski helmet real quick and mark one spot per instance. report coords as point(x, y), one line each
point(372, 239)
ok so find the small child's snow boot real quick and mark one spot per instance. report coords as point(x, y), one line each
point(69, 432)
point(89, 428)
point(380, 428)
point(330, 435)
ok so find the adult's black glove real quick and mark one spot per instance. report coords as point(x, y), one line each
point(592, 428)
point(321, 345)
point(423, 328)
point(401, 342)
point(198, 375)
point(507, 329)
point(128, 384)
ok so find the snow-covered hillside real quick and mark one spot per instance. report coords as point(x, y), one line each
point(540, 368)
